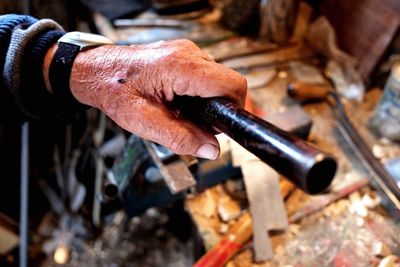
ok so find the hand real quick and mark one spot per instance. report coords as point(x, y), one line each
point(133, 84)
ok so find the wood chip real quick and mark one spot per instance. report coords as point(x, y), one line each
point(388, 261)
point(380, 249)
point(228, 209)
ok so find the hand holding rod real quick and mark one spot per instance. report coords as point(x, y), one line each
point(306, 166)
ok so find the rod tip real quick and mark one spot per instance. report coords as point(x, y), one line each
point(321, 174)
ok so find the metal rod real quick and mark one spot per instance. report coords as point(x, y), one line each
point(24, 176)
point(23, 246)
point(363, 152)
point(306, 166)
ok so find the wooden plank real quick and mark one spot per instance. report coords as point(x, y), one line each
point(266, 205)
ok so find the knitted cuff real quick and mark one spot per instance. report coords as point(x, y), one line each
point(32, 96)
point(7, 25)
point(9, 113)
point(20, 40)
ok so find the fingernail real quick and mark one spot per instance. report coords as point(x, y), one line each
point(208, 151)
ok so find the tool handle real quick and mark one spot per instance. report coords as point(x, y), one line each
point(239, 233)
point(305, 92)
point(306, 166)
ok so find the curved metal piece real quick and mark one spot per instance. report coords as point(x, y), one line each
point(379, 174)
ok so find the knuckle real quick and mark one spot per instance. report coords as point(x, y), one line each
point(242, 83)
point(239, 93)
point(187, 45)
point(186, 42)
point(240, 87)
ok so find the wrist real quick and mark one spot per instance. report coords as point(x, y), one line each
point(103, 72)
point(90, 74)
point(63, 63)
point(46, 66)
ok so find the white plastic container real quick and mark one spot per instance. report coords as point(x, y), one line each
point(386, 118)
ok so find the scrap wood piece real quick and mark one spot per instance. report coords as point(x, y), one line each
point(322, 37)
point(212, 211)
point(203, 210)
point(229, 245)
point(236, 47)
point(389, 261)
point(286, 187)
point(228, 209)
point(245, 258)
point(105, 27)
point(263, 191)
point(282, 55)
point(266, 204)
point(204, 204)
point(8, 240)
point(295, 201)
point(277, 19)
point(302, 21)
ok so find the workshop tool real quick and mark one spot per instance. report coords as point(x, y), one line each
point(303, 92)
point(306, 166)
point(230, 244)
point(278, 58)
point(140, 182)
point(143, 22)
point(172, 167)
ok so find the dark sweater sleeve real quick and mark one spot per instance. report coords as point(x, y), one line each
point(9, 112)
point(24, 42)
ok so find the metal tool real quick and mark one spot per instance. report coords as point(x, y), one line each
point(306, 92)
point(306, 166)
point(172, 168)
point(169, 23)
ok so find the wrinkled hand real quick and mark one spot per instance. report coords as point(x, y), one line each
point(133, 84)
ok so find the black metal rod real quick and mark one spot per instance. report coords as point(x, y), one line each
point(23, 227)
point(24, 176)
point(302, 163)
